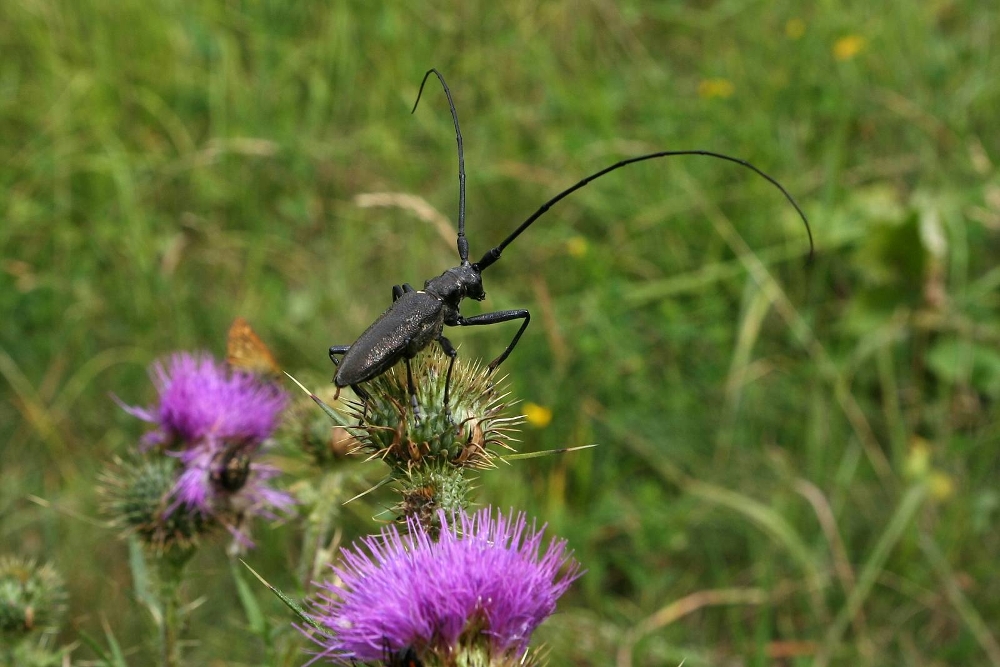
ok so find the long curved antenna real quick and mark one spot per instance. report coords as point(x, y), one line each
point(463, 244)
point(494, 254)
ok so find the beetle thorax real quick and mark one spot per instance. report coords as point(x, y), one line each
point(456, 284)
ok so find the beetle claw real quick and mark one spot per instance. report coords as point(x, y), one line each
point(416, 407)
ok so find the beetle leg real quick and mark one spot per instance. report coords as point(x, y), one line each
point(364, 396)
point(361, 393)
point(450, 350)
point(496, 318)
point(335, 350)
point(400, 290)
point(338, 349)
point(413, 391)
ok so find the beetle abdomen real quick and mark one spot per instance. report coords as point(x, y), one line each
point(412, 322)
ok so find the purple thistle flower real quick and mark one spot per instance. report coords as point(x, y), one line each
point(483, 586)
point(200, 399)
point(215, 421)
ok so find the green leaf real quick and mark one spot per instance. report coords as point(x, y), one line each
point(140, 577)
point(964, 362)
point(340, 419)
point(545, 452)
point(256, 619)
point(116, 658)
point(291, 604)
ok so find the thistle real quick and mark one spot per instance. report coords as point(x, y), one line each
point(197, 469)
point(211, 424)
point(32, 598)
point(431, 450)
point(471, 596)
point(32, 602)
point(458, 435)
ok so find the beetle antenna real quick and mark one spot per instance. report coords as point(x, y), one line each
point(463, 244)
point(494, 254)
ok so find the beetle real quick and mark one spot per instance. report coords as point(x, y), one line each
point(417, 318)
point(405, 657)
point(231, 467)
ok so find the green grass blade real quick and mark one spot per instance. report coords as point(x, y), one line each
point(545, 452)
point(969, 614)
point(256, 620)
point(337, 417)
point(912, 501)
point(290, 603)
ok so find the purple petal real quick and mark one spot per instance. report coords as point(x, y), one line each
point(193, 488)
point(200, 397)
point(483, 573)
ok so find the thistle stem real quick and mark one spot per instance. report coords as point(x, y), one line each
point(171, 574)
point(319, 527)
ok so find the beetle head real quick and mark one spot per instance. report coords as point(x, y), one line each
point(455, 284)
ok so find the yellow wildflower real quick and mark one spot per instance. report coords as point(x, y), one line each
point(710, 88)
point(576, 246)
point(538, 416)
point(918, 459)
point(847, 47)
point(941, 485)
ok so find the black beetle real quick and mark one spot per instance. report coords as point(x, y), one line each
point(417, 318)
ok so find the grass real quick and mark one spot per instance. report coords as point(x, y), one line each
point(798, 461)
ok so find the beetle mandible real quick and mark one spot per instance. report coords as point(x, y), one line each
point(417, 318)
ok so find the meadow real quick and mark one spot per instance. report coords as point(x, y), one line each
point(797, 460)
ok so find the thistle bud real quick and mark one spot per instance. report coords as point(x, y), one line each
point(137, 498)
point(460, 434)
point(431, 447)
point(307, 430)
point(32, 597)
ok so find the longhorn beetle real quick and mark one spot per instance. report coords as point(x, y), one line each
point(417, 318)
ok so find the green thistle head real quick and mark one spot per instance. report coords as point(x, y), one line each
point(32, 597)
point(430, 450)
point(136, 496)
point(305, 430)
point(462, 434)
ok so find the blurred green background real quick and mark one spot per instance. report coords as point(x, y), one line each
point(798, 462)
